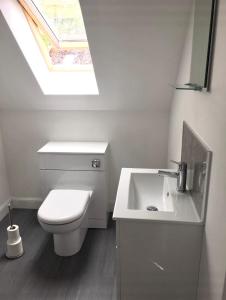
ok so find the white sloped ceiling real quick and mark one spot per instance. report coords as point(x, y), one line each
point(136, 48)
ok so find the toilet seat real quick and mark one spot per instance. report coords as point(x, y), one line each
point(64, 206)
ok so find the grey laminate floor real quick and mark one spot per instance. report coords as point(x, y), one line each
point(40, 274)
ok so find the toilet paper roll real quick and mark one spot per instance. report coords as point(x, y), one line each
point(14, 247)
point(13, 233)
point(15, 250)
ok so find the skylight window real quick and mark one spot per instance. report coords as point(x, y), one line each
point(60, 32)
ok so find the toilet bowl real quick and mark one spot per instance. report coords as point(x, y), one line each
point(65, 214)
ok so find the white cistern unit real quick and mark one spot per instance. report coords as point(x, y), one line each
point(75, 189)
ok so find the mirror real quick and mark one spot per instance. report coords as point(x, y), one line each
point(202, 44)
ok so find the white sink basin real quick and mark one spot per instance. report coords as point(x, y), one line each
point(149, 192)
point(142, 188)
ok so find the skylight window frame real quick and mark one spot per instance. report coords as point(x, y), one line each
point(37, 21)
point(34, 13)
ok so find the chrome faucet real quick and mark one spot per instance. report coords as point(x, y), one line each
point(181, 175)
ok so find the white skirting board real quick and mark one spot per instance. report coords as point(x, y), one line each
point(4, 209)
point(26, 203)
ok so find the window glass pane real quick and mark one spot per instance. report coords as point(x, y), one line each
point(70, 57)
point(64, 18)
point(77, 55)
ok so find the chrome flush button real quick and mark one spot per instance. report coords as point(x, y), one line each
point(96, 163)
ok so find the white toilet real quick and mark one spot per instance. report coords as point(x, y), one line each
point(65, 214)
point(75, 182)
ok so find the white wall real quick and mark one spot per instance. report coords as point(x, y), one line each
point(137, 139)
point(136, 48)
point(205, 112)
point(4, 187)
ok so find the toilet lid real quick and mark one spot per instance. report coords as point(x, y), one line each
point(63, 206)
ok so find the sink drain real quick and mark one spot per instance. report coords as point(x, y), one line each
point(152, 208)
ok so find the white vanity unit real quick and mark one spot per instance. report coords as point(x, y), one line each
point(159, 230)
point(78, 166)
point(158, 252)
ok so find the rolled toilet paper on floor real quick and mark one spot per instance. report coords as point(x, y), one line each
point(13, 233)
point(14, 247)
